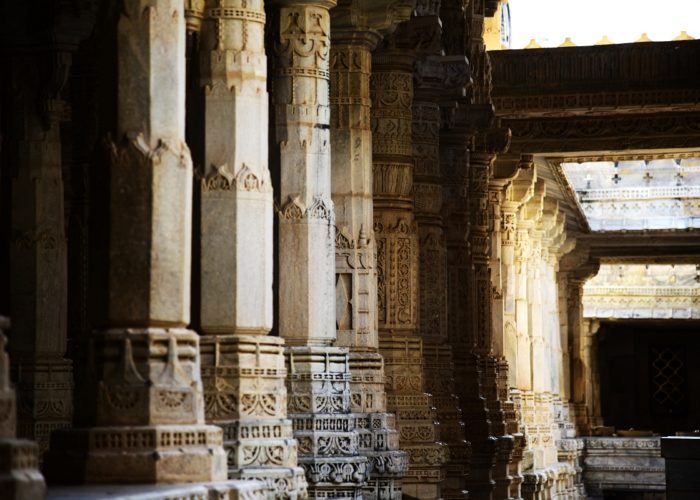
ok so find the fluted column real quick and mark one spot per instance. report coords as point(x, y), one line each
point(242, 368)
point(149, 424)
point(353, 39)
point(397, 267)
point(319, 376)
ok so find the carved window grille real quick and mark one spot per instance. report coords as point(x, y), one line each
point(668, 381)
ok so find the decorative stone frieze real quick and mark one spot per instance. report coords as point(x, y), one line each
point(149, 418)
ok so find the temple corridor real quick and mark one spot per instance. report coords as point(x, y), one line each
point(343, 249)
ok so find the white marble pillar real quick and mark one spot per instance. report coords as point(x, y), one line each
point(319, 377)
point(149, 424)
point(242, 368)
point(306, 219)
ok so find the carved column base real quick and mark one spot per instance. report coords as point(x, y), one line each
point(149, 424)
point(139, 454)
point(439, 371)
point(378, 437)
point(546, 426)
point(44, 398)
point(244, 393)
point(416, 416)
point(501, 471)
point(478, 429)
point(318, 384)
point(571, 452)
point(515, 466)
point(20, 478)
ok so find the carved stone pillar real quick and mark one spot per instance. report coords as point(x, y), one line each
point(397, 268)
point(502, 233)
point(353, 39)
point(433, 73)
point(589, 347)
point(486, 450)
point(517, 192)
point(319, 377)
point(20, 478)
point(38, 253)
point(149, 423)
point(242, 369)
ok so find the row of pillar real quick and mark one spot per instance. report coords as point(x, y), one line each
point(403, 251)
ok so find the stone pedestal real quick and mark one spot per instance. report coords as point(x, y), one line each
point(319, 406)
point(149, 417)
point(20, 478)
point(245, 395)
point(416, 416)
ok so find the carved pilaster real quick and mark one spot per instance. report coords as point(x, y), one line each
point(149, 418)
point(398, 263)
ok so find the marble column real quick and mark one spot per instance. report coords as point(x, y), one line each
point(318, 379)
point(505, 170)
point(517, 192)
point(149, 420)
point(591, 371)
point(243, 369)
point(494, 442)
point(397, 266)
point(576, 267)
point(353, 39)
point(38, 255)
point(20, 478)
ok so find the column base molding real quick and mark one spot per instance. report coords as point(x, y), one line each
point(144, 454)
point(20, 478)
point(318, 384)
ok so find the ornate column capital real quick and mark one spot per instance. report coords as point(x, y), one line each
point(367, 21)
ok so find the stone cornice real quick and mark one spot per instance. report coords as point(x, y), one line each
point(597, 80)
